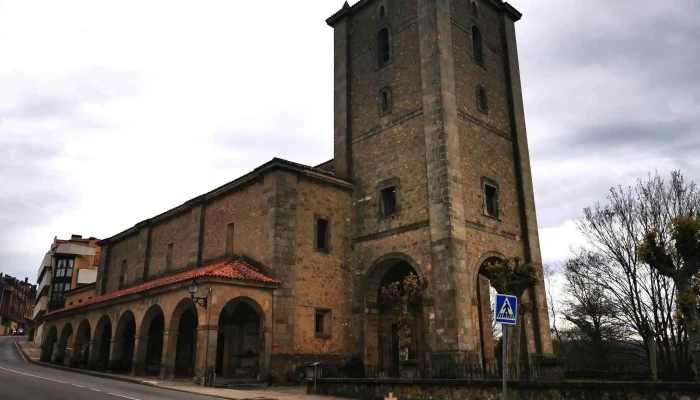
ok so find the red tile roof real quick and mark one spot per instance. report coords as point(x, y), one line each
point(231, 269)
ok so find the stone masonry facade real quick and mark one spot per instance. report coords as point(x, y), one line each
point(430, 175)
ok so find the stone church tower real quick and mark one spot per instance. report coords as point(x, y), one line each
point(430, 127)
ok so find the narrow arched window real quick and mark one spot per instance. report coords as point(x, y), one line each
point(385, 101)
point(477, 46)
point(474, 9)
point(383, 48)
point(382, 12)
point(482, 99)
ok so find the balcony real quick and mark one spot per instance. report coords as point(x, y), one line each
point(73, 248)
point(40, 307)
point(45, 266)
point(45, 283)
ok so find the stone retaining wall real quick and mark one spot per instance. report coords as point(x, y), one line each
point(378, 389)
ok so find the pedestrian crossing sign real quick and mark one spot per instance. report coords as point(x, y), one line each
point(506, 309)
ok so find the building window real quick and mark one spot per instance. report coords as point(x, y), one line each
point(169, 256)
point(122, 275)
point(229, 238)
point(482, 99)
point(389, 200)
point(477, 46)
point(491, 199)
point(382, 11)
point(322, 323)
point(64, 267)
point(80, 301)
point(474, 9)
point(322, 235)
point(385, 101)
point(383, 47)
point(70, 304)
point(58, 290)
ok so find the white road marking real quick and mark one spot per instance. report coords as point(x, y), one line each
point(97, 390)
point(20, 352)
point(78, 385)
point(33, 376)
point(126, 397)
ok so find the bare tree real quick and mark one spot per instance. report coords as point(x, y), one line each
point(552, 304)
point(643, 298)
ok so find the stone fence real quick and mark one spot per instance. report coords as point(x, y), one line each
point(454, 389)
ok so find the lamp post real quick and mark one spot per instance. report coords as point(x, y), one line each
point(203, 302)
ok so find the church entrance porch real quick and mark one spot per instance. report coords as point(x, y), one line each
point(239, 349)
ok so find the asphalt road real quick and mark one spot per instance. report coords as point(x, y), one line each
point(21, 380)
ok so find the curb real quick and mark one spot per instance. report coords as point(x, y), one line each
point(124, 379)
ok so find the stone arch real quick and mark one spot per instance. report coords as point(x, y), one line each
point(377, 270)
point(101, 343)
point(81, 349)
point(149, 353)
point(182, 339)
point(50, 340)
point(380, 329)
point(64, 349)
point(124, 343)
point(240, 346)
point(483, 310)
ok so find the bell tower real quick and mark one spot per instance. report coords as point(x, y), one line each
point(429, 124)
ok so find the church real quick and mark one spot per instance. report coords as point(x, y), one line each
point(284, 266)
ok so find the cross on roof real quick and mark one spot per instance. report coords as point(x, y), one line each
point(391, 397)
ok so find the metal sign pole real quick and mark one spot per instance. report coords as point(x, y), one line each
point(505, 359)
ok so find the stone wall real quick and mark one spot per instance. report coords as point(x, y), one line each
point(371, 389)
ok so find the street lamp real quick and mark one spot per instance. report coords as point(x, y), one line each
point(202, 301)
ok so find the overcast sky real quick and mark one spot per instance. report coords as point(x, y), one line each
point(114, 111)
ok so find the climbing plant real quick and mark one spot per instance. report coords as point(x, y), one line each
point(401, 296)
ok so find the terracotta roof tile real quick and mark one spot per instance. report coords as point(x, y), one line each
point(231, 269)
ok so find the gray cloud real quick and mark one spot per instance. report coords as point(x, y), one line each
point(612, 91)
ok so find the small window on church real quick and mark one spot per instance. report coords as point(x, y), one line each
point(322, 324)
point(385, 101)
point(383, 47)
point(229, 238)
point(477, 46)
point(169, 256)
point(122, 275)
point(491, 200)
point(322, 235)
point(389, 201)
point(382, 12)
point(482, 99)
point(474, 9)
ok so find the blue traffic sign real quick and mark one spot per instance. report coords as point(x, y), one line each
point(506, 309)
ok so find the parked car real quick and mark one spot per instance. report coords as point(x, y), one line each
point(19, 332)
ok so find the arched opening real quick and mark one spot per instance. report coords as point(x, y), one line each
point(185, 322)
point(381, 327)
point(383, 47)
point(474, 8)
point(382, 12)
point(81, 349)
point(477, 46)
point(489, 331)
point(122, 359)
point(239, 348)
point(63, 352)
point(101, 344)
point(50, 340)
point(150, 351)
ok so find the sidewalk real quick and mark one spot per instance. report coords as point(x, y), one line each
point(32, 353)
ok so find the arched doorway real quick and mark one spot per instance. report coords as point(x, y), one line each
point(381, 329)
point(125, 337)
point(489, 331)
point(50, 340)
point(81, 349)
point(239, 348)
point(184, 321)
point(150, 351)
point(63, 350)
point(101, 344)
